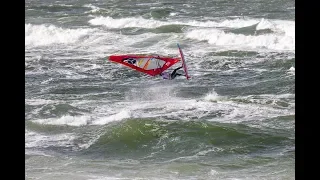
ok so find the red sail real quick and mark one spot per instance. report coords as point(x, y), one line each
point(151, 65)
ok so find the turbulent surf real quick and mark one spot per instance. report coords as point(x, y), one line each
point(95, 108)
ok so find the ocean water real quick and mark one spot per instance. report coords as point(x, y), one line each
point(87, 118)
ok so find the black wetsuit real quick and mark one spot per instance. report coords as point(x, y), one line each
point(174, 73)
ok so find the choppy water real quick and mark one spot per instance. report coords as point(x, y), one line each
point(88, 118)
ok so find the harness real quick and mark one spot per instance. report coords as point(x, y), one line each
point(165, 75)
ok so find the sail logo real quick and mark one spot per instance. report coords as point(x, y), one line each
point(130, 61)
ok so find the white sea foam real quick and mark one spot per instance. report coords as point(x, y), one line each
point(41, 35)
point(152, 93)
point(211, 105)
point(126, 22)
point(234, 23)
point(151, 23)
point(288, 27)
point(66, 120)
point(110, 22)
point(33, 139)
point(100, 42)
point(177, 108)
point(282, 37)
point(35, 102)
point(213, 96)
point(123, 114)
point(292, 69)
point(239, 41)
point(93, 8)
point(268, 100)
point(173, 14)
point(265, 24)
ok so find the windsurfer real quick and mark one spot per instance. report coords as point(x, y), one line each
point(170, 76)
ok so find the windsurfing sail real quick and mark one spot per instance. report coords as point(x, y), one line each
point(184, 65)
point(151, 65)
